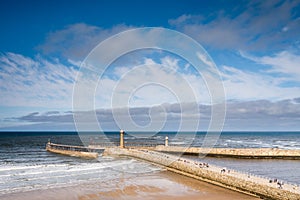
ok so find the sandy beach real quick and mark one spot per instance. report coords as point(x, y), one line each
point(158, 185)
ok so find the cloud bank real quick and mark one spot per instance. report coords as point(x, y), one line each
point(249, 115)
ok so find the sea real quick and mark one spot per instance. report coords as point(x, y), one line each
point(25, 165)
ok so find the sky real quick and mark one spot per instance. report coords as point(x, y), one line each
point(254, 45)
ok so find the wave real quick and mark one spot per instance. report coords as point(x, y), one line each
point(28, 177)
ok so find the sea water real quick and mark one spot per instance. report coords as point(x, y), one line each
point(26, 165)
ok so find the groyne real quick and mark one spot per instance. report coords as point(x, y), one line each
point(216, 175)
point(262, 153)
point(76, 151)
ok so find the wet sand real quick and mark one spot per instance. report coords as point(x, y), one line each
point(159, 185)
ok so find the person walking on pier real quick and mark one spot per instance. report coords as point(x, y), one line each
point(223, 170)
point(279, 184)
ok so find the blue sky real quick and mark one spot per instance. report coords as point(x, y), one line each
point(254, 44)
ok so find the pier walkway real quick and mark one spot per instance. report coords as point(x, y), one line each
point(274, 153)
point(234, 180)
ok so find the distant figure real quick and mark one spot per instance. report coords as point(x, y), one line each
point(223, 170)
point(279, 185)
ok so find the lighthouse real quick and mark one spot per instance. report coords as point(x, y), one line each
point(167, 141)
point(121, 138)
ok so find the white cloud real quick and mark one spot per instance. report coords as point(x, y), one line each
point(179, 20)
point(284, 29)
point(75, 41)
point(74, 63)
point(43, 83)
point(284, 62)
point(245, 85)
point(170, 63)
point(205, 59)
point(46, 83)
point(239, 84)
point(259, 26)
point(37, 83)
point(151, 84)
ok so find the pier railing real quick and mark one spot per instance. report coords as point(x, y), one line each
point(69, 147)
point(127, 144)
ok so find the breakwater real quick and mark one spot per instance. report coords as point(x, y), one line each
point(216, 175)
point(274, 153)
point(76, 151)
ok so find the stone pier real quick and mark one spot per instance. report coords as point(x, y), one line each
point(233, 152)
point(233, 180)
point(69, 150)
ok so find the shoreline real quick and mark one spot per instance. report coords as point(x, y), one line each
point(158, 185)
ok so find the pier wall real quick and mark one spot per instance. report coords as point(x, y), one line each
point(231, 152)
point(87, 155)
point(233, 180)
